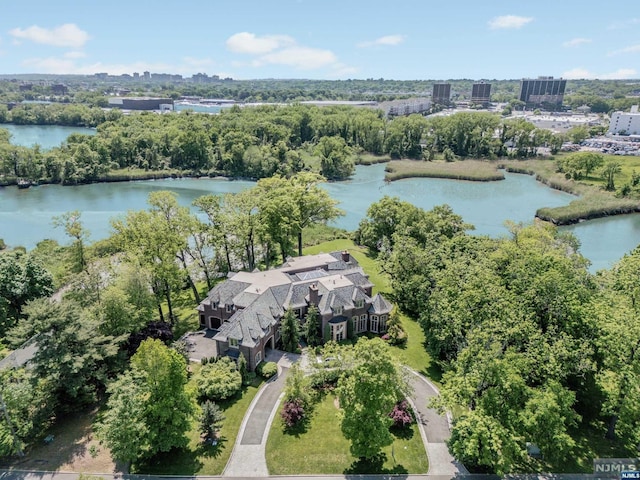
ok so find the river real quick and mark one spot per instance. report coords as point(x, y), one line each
point(25, 215)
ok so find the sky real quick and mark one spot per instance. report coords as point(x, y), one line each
point(324, 39)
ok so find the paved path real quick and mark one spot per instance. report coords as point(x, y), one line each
point(248, 456)
point(434, 428)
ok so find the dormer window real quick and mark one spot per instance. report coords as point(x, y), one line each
point(229, 308)
point(233, 342)
point(337, 310)
point(360, 303)
point(214, 305)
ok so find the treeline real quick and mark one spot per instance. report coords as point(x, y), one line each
point(262, 141)
point(534, 349)
point(122, 291)
point(66, 114)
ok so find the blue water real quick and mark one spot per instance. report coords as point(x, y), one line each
point(47, 136)
point(25, 215)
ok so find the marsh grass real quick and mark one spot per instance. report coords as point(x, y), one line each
point(472, 170)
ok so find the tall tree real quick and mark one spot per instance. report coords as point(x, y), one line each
point(289, 331)
point(367, 395)
point(169, 407)
point(73, 227)
point(311, 327)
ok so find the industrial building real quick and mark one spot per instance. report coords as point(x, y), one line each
point(625, 123)
point(141, 103)
point(481, 93)
point(441, 94)
point(545, 92)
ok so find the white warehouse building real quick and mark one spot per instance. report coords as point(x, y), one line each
point(625, 123)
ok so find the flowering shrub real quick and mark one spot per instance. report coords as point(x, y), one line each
point(292, 413)
point(402, 415)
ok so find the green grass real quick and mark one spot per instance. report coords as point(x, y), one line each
point(413, 354)
point(473, 170)
point(592, 201)
point(199, 459)
point(370, 159)
point(320, 448)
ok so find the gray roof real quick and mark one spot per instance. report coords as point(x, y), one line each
point(261, 297)
point(380, 305)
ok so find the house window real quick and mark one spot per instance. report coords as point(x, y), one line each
point(214, 305)
point(233, 342)
point(258, 357)
point(374, 323)
point(359, 303)
point(300, 312)
point(383, 323)
point(203, 322)
point(338, 331)
point(229, 308)
point(356, 325)
point(337, 310)
point(363, 322)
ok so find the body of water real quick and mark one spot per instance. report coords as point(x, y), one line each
point(26, 215)
point(47, 136)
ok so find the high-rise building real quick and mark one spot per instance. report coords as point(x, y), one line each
point(441, 94)
point(481, 93)
point(543, 91)
point(625, 123)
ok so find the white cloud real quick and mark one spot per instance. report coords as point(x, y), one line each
point(67, 35)
point(61, 65)
point(583, 73)
point(576, 42)
point(391, 40)
point(304, 58)
point(245, 42)
point(629, 49)
point(509, 21)
point(281, 50)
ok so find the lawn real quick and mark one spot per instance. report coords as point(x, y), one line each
point(320, 448)
point(199, 459)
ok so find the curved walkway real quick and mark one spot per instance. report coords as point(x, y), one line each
point(248, 456)
point(434, 428)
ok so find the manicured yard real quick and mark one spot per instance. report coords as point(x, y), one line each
point(320, 447)
point(199, 459)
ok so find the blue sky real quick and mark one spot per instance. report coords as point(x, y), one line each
point(324, 39)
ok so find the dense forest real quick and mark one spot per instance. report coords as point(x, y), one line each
point(533, 348)
point(261, 141)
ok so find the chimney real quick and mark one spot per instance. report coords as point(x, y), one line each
point(345, 256)
point(313, 294)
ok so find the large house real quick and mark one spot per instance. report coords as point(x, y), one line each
point(246, 309)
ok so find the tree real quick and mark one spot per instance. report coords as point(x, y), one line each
point(74, 228)
point(210, 420)
point(335, 158)
point(367, 394)
point(168, 407)
point(609, 171)
point(315, 205)
point(219, 380)
point(289, 331)
point(311, 327)
point(123, 427)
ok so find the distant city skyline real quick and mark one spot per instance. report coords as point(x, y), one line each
point(251, 39)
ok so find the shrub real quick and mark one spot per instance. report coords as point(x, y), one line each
point(324, 379)
point(219, 380)
point(402, 415)
point(267, 369)
point(292, 413)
